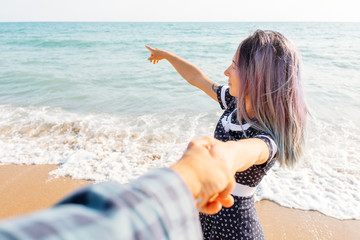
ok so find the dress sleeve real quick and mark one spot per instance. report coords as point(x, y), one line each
point(157, 205)
point(270, 144)
point(224, 97)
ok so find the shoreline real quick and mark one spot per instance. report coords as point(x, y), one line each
point(283, 223)
point(27, 188)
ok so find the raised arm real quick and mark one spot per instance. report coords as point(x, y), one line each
point(189, 72)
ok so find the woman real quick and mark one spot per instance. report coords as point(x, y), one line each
point(263, 122)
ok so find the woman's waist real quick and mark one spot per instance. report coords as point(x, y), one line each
point(241, 190)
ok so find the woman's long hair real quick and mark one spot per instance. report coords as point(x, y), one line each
point(269, 68)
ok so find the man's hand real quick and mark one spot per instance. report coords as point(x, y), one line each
point(209, 177)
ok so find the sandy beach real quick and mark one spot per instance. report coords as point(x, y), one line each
point(24, 189)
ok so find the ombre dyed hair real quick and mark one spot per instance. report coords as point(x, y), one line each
point(269, 68)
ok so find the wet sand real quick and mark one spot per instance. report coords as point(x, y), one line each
point(24, 189)
point(282, 223)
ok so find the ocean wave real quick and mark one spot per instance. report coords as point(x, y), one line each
point(328, 176)
point(85, 145)
point(104, 147)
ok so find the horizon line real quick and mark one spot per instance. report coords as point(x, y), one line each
point(220, 21)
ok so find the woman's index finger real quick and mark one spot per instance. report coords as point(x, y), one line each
point(150, 48)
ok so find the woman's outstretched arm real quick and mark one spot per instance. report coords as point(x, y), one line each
point(189, 72)
point(244, 153)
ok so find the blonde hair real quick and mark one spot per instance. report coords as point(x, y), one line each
point(269, 68)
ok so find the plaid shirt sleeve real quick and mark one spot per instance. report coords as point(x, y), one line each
point(158, 205)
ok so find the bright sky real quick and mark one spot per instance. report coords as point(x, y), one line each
point(179, 10)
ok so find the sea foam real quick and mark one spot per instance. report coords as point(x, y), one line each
point(105, 147)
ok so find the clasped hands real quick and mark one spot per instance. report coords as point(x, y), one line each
point(208, 170)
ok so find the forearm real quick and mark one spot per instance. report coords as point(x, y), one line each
point(247, 152)
point(189, 72)
point(193, 75)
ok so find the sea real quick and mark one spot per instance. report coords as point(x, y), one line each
point(84, 96)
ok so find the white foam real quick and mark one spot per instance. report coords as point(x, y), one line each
point(96, 146)
point(116, 147)
point(328, 177)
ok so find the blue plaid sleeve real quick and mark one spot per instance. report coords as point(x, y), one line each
point(157, 205)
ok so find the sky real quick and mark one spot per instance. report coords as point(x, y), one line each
point(179, 11)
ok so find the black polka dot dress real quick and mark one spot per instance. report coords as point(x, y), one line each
point(239, 221)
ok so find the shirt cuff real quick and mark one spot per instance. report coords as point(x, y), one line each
point(170, 191)
point(270, 144)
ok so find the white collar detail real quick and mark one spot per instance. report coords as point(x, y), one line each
point(226, 122)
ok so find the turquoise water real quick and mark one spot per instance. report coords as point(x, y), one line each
point(84, 96)
point(102, 67)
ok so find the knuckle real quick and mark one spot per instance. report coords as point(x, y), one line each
point(207, 138)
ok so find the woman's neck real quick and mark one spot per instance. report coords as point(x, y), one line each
point(249, 109)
